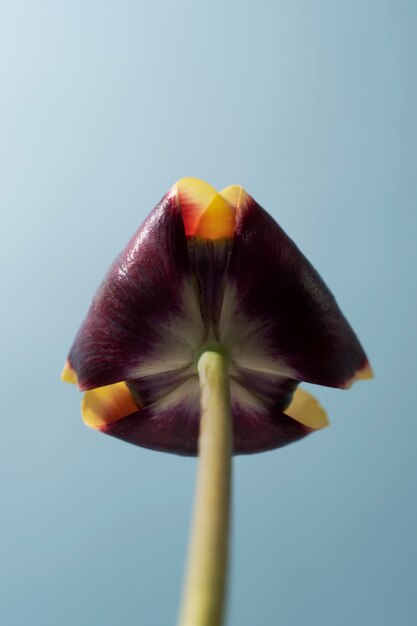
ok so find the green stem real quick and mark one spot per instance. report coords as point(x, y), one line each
point(206, 573)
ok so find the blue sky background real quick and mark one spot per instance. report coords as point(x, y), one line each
point(311, 106)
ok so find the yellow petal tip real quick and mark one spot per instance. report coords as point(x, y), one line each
point(104, 405)
point(235, 195)
point(68, 374)
point(366, 373)
point(304, 408)
point(217, 220)
point(206, 213)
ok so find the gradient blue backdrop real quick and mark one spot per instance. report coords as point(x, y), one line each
point(312, 107)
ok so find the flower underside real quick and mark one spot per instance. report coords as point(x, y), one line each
point(210, 269)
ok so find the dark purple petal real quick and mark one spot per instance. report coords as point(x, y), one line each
point(278, 313)
point(171, 424)
point(148, 389)
point(259, 426)
point(167, 297)
point(271, 388)
point(145, 317)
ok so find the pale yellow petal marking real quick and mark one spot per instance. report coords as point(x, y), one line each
point(107, 404)
point(305, 409)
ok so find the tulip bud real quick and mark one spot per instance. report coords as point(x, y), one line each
point(211, 269)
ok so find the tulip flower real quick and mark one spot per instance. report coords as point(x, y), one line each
point(211, 273)
point(210, 269)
